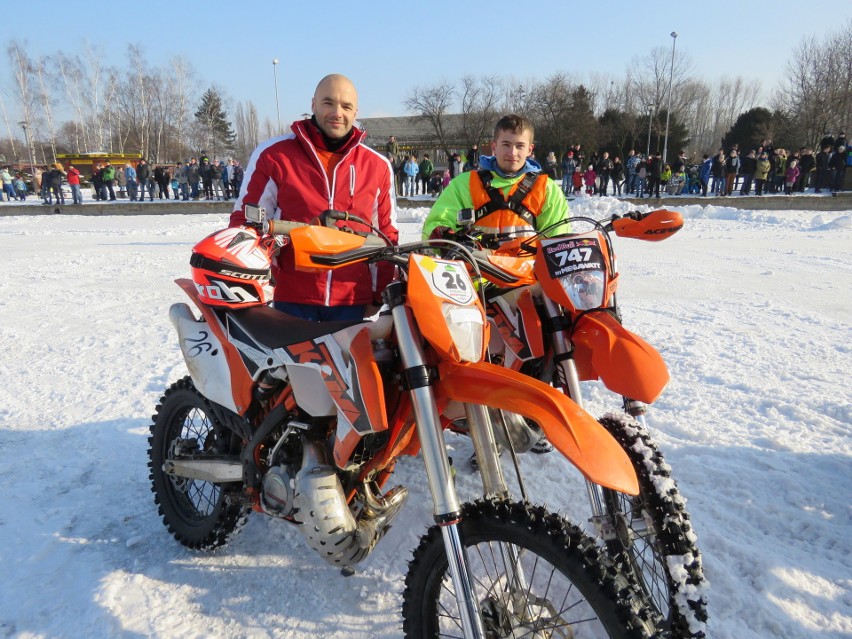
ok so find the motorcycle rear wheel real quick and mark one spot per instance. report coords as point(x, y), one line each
point(566, 587)
point(655, 536)
point(199, 514)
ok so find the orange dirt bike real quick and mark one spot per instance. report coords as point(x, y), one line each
point(561, 324)
point(305, 421)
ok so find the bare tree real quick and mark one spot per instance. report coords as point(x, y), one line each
point(817, 93)
point(552, 105)
point(479, 107)
point(71, 74)
point(142, 111)
point(247, 129)
point(270, 129)
point(433, 103)
point(94, 72)
point(45, 99)
point(22, 68)
point(182, 85)
point(517, 96)
point(9, 129)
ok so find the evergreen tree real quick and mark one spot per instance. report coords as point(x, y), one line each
point(584, 127)
point(218, 133)
point(750, 128)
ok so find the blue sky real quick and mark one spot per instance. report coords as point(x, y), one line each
point(389, 47)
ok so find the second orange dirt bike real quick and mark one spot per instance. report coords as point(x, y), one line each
point(561, 324)
point(305, 421)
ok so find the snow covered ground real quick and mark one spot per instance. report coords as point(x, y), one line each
point(751, 310)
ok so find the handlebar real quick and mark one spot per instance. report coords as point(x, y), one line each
point(374, 248)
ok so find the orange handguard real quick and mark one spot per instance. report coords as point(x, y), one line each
point(653, 227)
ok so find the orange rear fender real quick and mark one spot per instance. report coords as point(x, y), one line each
point(626, 364)
point(571, 430)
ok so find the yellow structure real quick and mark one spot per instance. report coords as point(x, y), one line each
point(85, 161)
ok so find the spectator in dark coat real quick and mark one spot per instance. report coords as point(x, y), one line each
point(143, 177)
point(732, 169)
point(655, 169)
point(718, 171)
point(704, 173)
point(205, 170)
point(193, 177)
point(97, 182)
point(822, 168)
point(617, 175)
point(237, 178)
point(473, 157)
point(604, 170)
point(838, 164)
point(162, 177)
point(748, 165)
point(53, 179)
point(807, 162)
point(455, 165)
point(568, 166)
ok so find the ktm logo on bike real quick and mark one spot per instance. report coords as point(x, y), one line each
point(335, 382)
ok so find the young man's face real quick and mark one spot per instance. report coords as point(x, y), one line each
point(512, 148)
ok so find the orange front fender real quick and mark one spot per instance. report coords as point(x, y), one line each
point(626, 364)
point(571, 430)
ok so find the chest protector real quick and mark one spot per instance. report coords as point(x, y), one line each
point(496, 213)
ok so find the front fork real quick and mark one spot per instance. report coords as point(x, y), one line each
point(447, 509)
point(563, 355)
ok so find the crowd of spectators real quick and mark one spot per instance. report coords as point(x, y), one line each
point(759, 171)
point(762, 170)
point(190, 180)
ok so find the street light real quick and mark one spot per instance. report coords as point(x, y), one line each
point(651, 110)
point(26, 126)
point(275, 76)
point(673, 34)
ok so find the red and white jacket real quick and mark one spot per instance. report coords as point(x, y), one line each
point(286, 177)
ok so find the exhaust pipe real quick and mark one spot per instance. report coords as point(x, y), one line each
point(327, 523)
point(216, 471)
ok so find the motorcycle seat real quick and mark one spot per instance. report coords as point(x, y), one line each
point(276, 329)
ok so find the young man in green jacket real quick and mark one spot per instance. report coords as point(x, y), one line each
point(508, 194)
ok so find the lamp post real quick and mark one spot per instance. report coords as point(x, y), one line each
point(275, 76)
point(650, 116)
point(26, 126)
point(673, 34)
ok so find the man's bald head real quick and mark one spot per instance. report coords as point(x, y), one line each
point(335, 105)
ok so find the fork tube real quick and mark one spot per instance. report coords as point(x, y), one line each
point(447, 509)
point(444, 497)
point(485, 448)
point(563, 352)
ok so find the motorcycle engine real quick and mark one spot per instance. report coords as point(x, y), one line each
point(279, 490)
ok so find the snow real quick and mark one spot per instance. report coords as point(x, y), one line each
point(751, 310)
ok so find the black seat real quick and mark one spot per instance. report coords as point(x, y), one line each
point(276, 329)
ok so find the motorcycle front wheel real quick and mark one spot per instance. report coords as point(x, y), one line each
point(654, 535)
point(534, 575)
point(200, 514)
